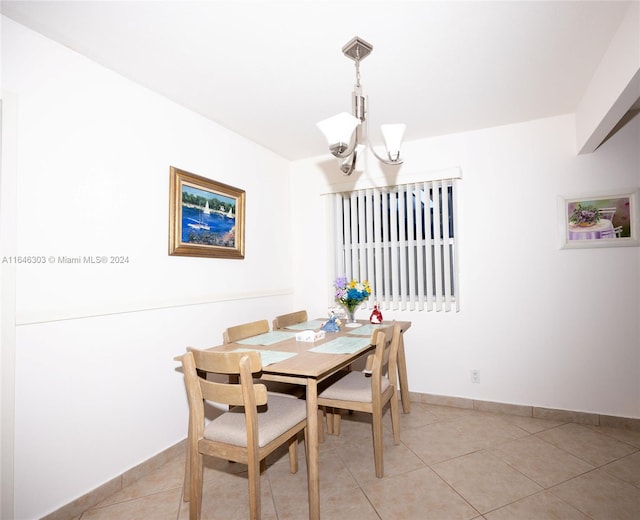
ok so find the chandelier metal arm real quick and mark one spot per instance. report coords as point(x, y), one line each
point(344, 151)
point(349, 164)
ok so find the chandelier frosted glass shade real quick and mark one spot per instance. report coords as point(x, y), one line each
point(338, 130)
point(393, 135)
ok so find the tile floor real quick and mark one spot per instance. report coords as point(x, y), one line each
point(452, 464)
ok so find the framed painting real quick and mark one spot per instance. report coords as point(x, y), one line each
point(606, 220)
point(206, 218)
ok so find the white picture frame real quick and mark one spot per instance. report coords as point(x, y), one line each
point(616, 223)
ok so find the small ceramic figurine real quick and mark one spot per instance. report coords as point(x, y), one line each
point(332, 325)
point(376, 315)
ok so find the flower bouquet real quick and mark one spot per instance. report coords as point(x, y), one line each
point(584, 216)
point(351, 294)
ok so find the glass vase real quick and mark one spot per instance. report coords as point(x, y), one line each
point(350, 320)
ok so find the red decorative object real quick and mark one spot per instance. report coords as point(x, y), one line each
point(376, 315)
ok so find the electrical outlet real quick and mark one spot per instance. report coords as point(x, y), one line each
point(475, 375)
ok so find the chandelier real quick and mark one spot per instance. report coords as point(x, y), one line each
point(348, 134)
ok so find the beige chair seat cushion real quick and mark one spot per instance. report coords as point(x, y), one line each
point(355, 386)
point(279, 414)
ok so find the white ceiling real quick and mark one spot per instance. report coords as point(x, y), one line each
point(270, 70)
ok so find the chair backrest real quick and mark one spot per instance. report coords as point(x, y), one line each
point(384, 360)
point(244, 393)
point(285, 320)
point(246, 330)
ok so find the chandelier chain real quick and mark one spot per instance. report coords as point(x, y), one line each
point(357, 60)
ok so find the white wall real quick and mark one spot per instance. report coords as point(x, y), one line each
point(545, 327)
point(96, 388)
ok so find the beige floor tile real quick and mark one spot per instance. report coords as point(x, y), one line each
point(488, 430)
point(346, 503)
point(601, 496)
point(420, 415)
point(359, 459)
point(624, 435)
point(334, 474)
point(531, 424)
point(540, 461)
point(169, 476)
point(160, 506)
point(485, 481)
point(438, 442)
point(451, 464)
point(541, 506)
point(447, 413)
point(149, 466)
point(226, 496)
point(290, 495)
point(417, 495)
point(587, 443)
point(627, 469)
point(355, 428)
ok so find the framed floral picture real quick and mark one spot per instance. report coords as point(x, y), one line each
point(206, 218)
point(605, 220)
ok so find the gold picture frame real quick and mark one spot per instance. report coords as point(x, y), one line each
point(206, 218)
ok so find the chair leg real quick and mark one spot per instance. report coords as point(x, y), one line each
point(336, 421)
point(320, 425)
point(253, 468)
point(306, 447)
point(195, 499)
point(395, 423)
point(376, 425)
point(329, 414)
point(293, 455)
point(186, 487)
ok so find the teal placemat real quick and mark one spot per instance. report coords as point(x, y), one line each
point(268, 338)
point(342, 345)
point(268, 357)
point(366, 330)
point(307, 325)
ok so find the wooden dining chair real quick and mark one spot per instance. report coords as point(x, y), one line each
point(244, 331)
point(369, 391)
point(254, 328)
point(285, 320)
point(256, 424)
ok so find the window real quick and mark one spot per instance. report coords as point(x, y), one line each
point(402, 240)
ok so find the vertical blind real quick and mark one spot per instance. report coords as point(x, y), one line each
point(402, 240)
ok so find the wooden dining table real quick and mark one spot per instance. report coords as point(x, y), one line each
point(305, 363)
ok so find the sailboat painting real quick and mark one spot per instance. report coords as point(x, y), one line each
point(200, 222)
point(207, 218)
